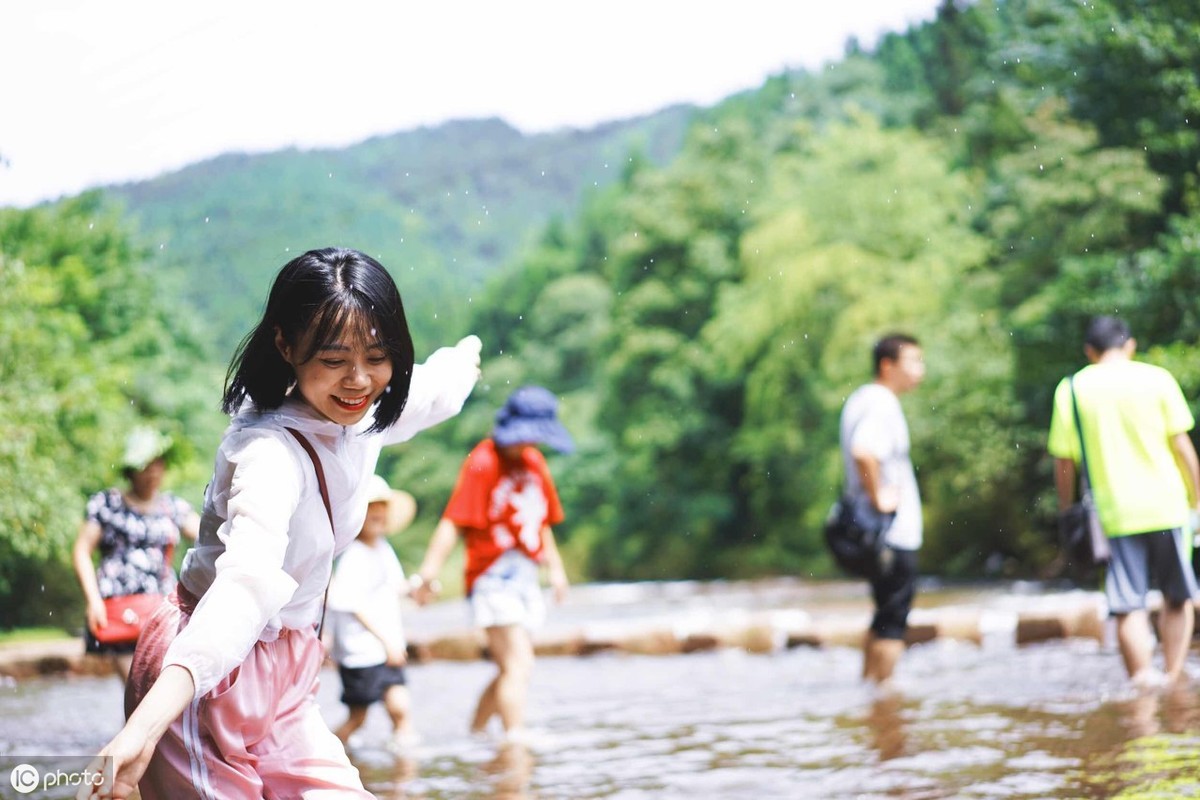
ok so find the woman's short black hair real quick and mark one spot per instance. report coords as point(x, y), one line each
point(327, 292)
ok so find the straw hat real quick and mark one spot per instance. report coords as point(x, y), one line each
point(401, 505)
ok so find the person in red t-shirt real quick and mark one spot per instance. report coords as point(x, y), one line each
point(503, 507)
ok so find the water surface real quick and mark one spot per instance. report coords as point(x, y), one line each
point(1053, 720)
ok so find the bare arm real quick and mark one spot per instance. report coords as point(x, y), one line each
point(1064, 482)
point(445, 536)
point(1189, 466)
point(396, 654)
point(86, 542)
point(884, 498)
point(554, 564)
point(191, 526)
point(132, 748)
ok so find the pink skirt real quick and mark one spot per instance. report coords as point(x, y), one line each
point(258, 734)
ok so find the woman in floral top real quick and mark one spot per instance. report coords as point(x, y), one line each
point(136, 531)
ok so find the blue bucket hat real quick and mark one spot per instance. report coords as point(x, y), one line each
point(531, 415)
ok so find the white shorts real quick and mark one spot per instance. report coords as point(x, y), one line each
point(508, 593)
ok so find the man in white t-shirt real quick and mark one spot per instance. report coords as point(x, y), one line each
point(875, 451)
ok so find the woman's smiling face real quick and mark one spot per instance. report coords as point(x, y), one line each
point(344, 377)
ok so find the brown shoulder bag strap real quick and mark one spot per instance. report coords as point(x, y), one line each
point(308, 448)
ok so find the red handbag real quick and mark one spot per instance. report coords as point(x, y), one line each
point(126, 617)
point(127, 614)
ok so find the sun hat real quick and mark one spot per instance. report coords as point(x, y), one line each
point(143, 446)
point(531, 415)
point(402, 507)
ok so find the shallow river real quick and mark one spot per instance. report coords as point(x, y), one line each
point(1053, 720)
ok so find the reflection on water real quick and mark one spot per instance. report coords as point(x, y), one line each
point(885, 721)
point(1055, 720)
point(511, 771)
point(1050, 721)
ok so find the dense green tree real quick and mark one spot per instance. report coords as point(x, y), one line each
point(987, 180)
point(735, 333)
point(90, 350)
point(867, 232)
point(1062, 212)
point(671, 416)
point(1138, 85)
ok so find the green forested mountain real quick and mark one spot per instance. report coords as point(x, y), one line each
point(986, 181)
point(442, 207)
point(703, 300)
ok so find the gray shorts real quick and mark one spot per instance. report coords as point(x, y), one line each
point(1144, 561)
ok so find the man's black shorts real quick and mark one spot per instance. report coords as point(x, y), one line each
point(893, 592)
point(362, 686)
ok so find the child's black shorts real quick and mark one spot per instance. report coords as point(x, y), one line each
point(362, 686)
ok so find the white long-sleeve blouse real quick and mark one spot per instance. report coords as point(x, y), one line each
point(265, 550)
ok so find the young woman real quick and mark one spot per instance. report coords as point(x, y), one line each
point(221, 696)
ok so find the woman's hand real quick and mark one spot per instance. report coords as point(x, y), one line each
point(191, 527)
point(97, 615)
point(132, 748)
point(130, 752)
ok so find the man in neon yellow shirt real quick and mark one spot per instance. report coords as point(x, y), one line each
point(1145, 477)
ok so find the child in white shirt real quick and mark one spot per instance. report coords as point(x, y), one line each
point(368, 642)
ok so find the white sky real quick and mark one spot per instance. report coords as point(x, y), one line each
point(100, 92)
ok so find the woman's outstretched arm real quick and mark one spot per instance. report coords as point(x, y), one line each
point(133, 746)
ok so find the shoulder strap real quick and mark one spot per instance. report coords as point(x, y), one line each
point(1079, 430)
point(308, 448)
point(312, 453)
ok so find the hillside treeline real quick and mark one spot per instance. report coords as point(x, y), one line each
point(442, 206)
point(986, 181)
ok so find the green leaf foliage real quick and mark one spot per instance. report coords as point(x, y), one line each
point(440, 207)
point(945, 185)
point(91, 349)
point(700, 288)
